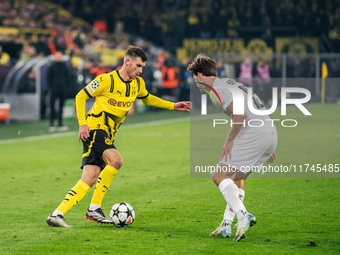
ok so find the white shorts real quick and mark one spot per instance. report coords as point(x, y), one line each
point(250, 151)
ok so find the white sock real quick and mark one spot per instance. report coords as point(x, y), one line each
point(242, 193)
point(240, 214)
point(229, 215)
point(230, 193)
point(55, 213)
point(94, 207)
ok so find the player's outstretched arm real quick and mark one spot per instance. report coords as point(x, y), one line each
point(184, 106)
point(154, 101)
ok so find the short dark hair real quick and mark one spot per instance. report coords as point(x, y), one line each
point(134, 52)
point(204, 65)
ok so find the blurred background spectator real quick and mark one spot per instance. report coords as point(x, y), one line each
point(246, 72)
point(263, 82)
point(58, 81)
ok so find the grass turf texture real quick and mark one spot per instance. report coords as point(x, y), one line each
point(174, 213)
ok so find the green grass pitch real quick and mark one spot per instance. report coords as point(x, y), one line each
point(174, 213)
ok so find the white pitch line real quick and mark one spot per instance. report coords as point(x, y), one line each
point(40, 137)
point(70, 133)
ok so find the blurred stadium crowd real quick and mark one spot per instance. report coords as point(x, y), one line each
point(167, 22)
point(83, 29)
point(81, 40)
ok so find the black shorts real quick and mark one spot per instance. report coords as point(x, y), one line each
point(94, 147)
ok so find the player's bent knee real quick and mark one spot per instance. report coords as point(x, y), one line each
point(222, 171)
point(113, 158)
point(217, 178)
point(117, 162)
point(215, 175)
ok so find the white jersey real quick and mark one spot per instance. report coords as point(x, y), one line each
point(253, 123)
point(257, 140)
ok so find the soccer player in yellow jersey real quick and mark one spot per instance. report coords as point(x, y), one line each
point(114, 95)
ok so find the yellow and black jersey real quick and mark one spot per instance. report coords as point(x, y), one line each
point(113, 99)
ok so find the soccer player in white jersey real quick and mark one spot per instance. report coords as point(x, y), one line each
point(246, 147)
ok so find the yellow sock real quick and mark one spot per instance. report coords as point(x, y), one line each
point(104, 180)
point(73, 196)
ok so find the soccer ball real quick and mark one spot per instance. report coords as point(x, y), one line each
point(122, 214)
